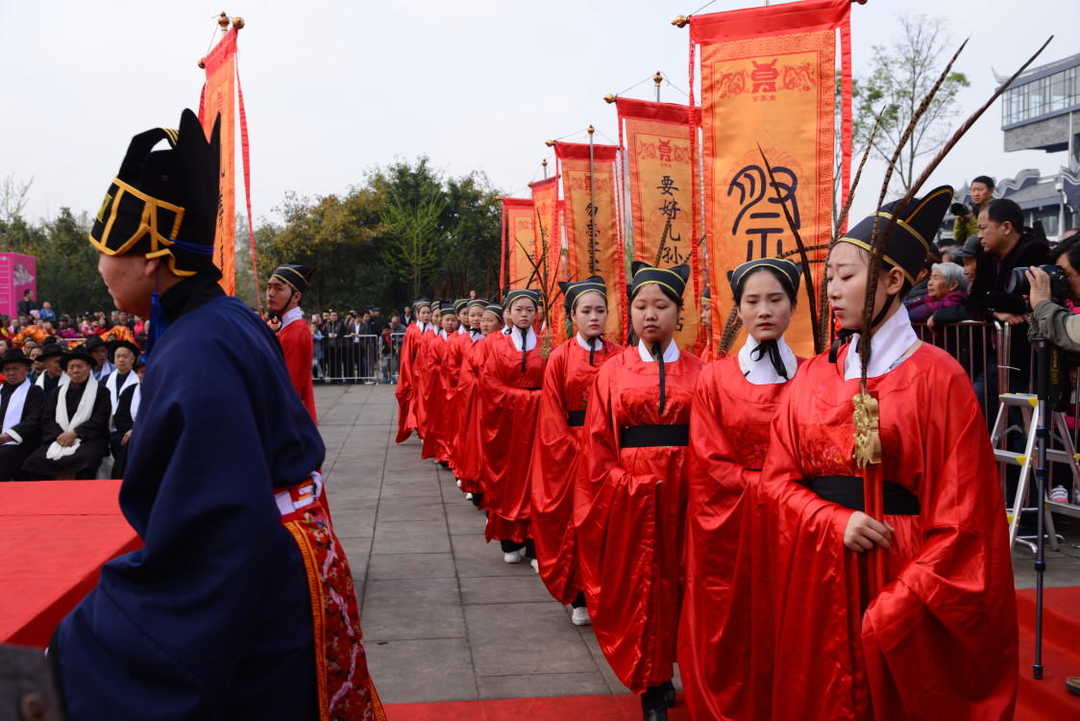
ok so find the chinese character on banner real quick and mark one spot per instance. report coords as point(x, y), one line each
point(760, 218)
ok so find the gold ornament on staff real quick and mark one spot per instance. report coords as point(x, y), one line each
point(223, 22)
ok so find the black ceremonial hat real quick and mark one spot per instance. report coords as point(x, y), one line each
point(911, 239)
point(786, 271)
point(294, 275)
point(420, 303)
point(495, 308)
point(114, 344)
point(164, 203)
point(50, 350)
point(522, 293)
point(460, 303)
point(15, 355)
point(673, 279)
point(573, 291)
point(93, 342)
point(477, 303)
point(80, 352)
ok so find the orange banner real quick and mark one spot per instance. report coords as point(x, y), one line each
point(662, 194)
point(594, 244)
point(219, 98)
point(519, 245)
point(545, 194)
point(768, 78)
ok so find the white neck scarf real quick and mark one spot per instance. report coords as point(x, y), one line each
point(290, 316)
point(760, 372)
point(114, 392)
point(530, 339)
point(887, 346)
point(671, 353)
point(136, 396)
point(14, 412)
point(40, 382)
point(82, 415)
point(585, 344)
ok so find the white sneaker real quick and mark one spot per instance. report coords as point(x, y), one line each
point(514, 556)
point(1059, 495)
point(535, 565)
point(580, 617)
point(459, 483)
point(468, 496)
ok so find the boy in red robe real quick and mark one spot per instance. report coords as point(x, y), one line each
point(284, 291)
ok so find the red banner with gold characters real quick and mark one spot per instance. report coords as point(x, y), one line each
point(219, 98)
point(593, 242)
point(518, 245)
point(662, 178)
point(768, 79)
point(545, 194)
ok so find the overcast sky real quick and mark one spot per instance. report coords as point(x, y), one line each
point(335, 88)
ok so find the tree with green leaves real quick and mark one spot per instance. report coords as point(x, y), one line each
point(900, 76)
point(414, 241)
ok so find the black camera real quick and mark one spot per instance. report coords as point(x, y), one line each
point(1059, 282)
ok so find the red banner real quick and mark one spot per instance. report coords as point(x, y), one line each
point(219, 98)
point(768, 78)
point(594, 243)
point(662, 177)
point(548, 234)
point(518, 245)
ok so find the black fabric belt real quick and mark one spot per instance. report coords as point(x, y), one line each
point(538, 388)
point(575, 418)
point(848, 492)
point(654, 435)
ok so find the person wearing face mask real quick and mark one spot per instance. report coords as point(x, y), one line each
point(894, 585)
point(510, 406)
point(408, 377)
point(629, 505)
point(568, 379)
point(472, 449)
point(723, 638)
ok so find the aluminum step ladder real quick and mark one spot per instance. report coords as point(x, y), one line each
point(1024, 502)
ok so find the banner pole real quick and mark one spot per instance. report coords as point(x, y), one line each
point(657, 79)
point(592, 205)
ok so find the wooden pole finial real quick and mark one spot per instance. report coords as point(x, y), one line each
point(549, 143)
point(238, 23)
point(223, 21)
point(681, 21)
point(658, 78)
point(201, 63)
point(590, 130)
point(609, 98)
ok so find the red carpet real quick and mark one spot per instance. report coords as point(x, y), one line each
point(55, 536)
point(1045, 700)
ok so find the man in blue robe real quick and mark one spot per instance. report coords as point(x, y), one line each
point(213, 617)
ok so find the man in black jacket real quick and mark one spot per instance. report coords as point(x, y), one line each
point(1005, 245)
point(21, 406)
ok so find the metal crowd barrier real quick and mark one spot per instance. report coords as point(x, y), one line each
point(981, 349)
point(358, 359)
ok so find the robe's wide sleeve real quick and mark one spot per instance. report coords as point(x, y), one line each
point(940, 640)
point(159, 638)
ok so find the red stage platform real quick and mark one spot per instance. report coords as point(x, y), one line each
point(55, 536)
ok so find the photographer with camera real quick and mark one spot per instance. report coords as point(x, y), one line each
point(1049, 294)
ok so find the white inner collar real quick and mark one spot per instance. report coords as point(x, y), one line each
point(530, 339)
point(760, 372)
point(295, 314)
point(585, 343)
point(887, 347)
point(671, 352)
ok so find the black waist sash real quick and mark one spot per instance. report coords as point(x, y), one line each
point(848, 492)
point(575, 418)
point(654, 435)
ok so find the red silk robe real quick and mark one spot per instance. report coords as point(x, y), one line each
point(568, 380)
point(510, 409)
point(470, 454)
point(724, 637)
point(629, 513)
point(298, 348)
point(421, 371)
point(436, 350)
point(940, 639)
point(406, 385)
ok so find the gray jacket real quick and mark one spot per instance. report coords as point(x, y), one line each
point(1057, 324)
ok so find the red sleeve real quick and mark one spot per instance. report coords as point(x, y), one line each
point(296, 344)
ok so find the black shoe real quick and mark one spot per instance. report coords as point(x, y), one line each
point(669, 694)
point(654, 704)
point(1072, 685)
point(654, 714)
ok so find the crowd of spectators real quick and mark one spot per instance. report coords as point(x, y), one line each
point(361, 346)
point(35, 325)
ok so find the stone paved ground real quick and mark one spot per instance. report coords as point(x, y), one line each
point(444, 617)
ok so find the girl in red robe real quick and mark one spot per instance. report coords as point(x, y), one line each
point(908, 613)
point(440, 350)
point(458, 396)
point(423, 372)
point(568, 380)
point(408, 373)
point(631, 500)
point(472, 434)
point(509, 407)
point(724, 637)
